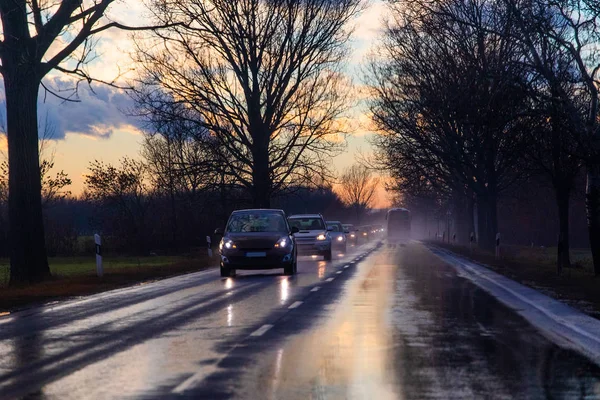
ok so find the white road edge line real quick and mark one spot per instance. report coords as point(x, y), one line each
point(295, 305)
point(315, 289)
point(262, 330)
point(329, 279)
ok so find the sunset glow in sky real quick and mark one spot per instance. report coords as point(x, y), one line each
point(98, 127)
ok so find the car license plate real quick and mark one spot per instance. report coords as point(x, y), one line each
point(256, 254)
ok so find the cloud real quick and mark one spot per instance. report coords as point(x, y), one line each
point(98, 112)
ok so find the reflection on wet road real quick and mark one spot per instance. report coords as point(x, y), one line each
point(407, 327)
point(142, 341)
point(399, 324)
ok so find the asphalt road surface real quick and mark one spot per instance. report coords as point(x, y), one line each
point(394, 324)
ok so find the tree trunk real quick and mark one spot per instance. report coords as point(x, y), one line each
point(261, 181)
point(463, 217)
point(487, 221)
point(28, 259)
point(471, 214)
point(593, 212)
point(563, 259)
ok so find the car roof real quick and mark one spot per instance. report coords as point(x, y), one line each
point(334, 222)
point(258, 210)
point(306, 216)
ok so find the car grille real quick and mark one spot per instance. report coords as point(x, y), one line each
point(255, 244)
point(306, 239)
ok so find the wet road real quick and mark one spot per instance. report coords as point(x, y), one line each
point(396, 324)
point(146, 340)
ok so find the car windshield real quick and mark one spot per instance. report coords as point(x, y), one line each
point(335, 227)
point(256, 222)
point(307, 223)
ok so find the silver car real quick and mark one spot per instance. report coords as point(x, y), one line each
point(338, 235)
point(313, 236)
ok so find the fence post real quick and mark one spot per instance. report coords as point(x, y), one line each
point(498, 245)
point(208, 242)
point(99, 266)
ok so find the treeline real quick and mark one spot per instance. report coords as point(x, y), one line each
point(487, 103)
point(135, 217)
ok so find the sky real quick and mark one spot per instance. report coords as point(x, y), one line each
point(98, 127)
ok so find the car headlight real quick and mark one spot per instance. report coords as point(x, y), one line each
point(227, 244)
point(364, 233)
point(352, 235)
point(340, 238)
point(283, 243)
point(321, 237)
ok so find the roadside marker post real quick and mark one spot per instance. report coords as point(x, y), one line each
point(471, 240)
point(209, 244)
point(498, 245)
point(99, 267)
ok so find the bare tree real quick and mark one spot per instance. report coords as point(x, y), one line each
point(53, 186)
point(262, 77)
point(556, 155)
point(37, 37)
point(447, 96)
point(123, 188)
point(358, 189)
point(573, 29)
point(182, 162)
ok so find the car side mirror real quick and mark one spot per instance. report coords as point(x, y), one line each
point(218, 232)
point(294, 230)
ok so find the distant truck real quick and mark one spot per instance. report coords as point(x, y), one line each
point(398, 226)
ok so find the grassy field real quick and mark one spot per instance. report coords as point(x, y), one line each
point(76, 276)
point(536, 267)
point(66, 267)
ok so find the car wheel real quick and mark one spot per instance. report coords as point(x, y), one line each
point(225, 272)
point(327, 255)
point(289, 269)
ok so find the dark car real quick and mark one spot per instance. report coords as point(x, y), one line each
point(257, 239)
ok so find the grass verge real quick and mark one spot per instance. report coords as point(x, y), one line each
point(536, 268)
point(75, 276)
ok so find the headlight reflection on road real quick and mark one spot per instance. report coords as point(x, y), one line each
point(230, 315)
point(228, 283)
point(285, 284)
point(322, 265)
point(277, 369)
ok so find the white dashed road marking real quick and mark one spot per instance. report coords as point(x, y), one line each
point(262, 330)
point(315, 289)
point(295, 305)
point(339, 272)
point(329, 279)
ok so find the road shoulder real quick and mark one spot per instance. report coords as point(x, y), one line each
point(559, 322)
